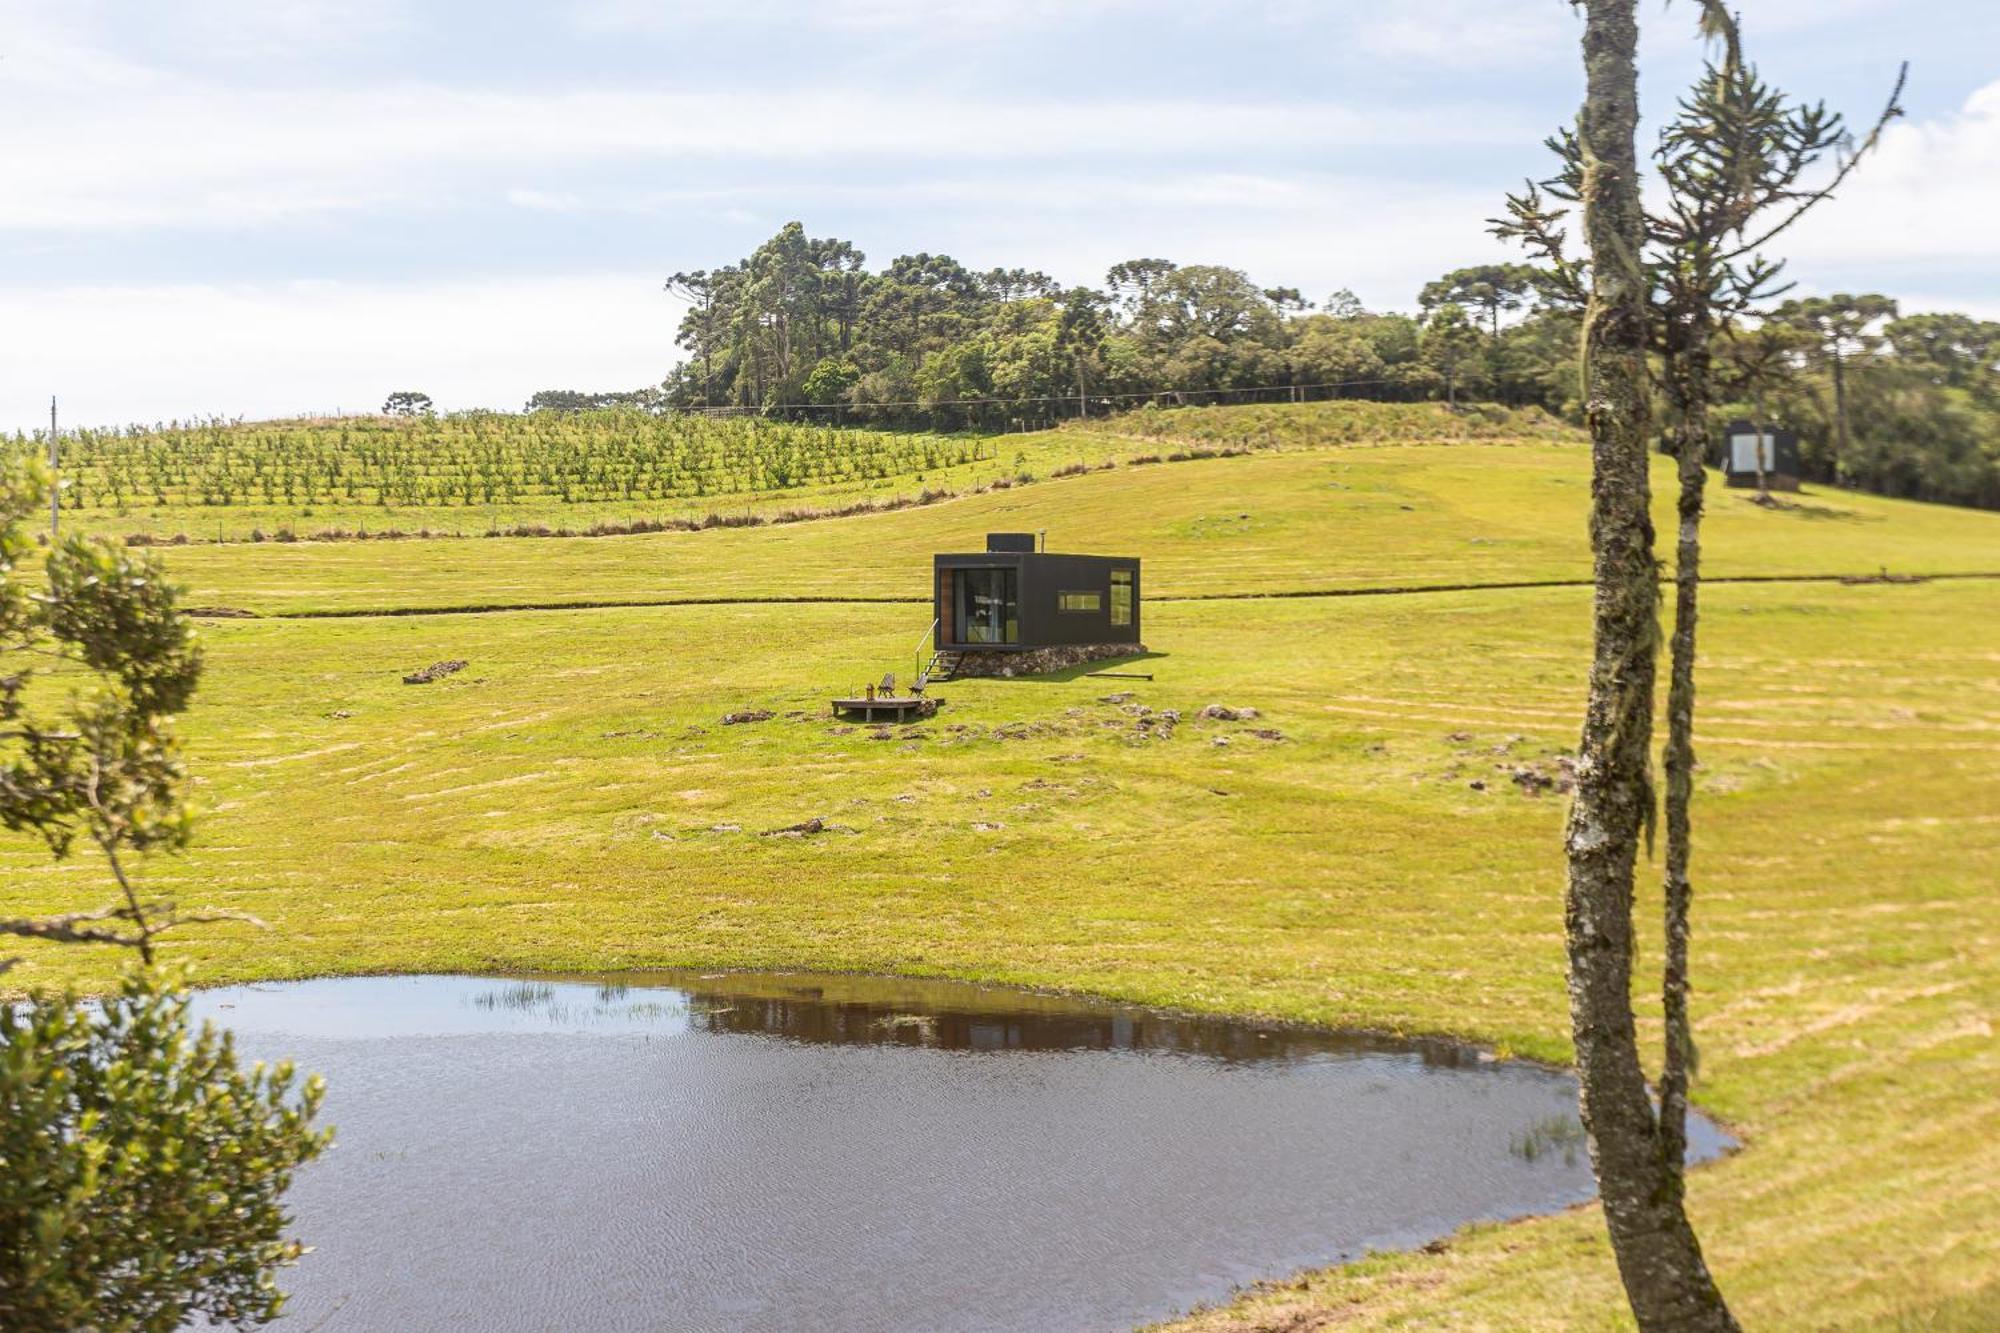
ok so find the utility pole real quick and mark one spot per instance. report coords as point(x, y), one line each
point(55, 460)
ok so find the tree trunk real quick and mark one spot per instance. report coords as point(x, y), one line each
point(1659, 1260)
point(1687, 362)
point(1763, 483)
point(1839, 414)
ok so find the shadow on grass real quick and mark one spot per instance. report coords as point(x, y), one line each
point(1806, 509)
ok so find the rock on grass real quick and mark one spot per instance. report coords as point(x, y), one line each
point(435, 671)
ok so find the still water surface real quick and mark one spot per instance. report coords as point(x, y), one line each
point(687, 1152)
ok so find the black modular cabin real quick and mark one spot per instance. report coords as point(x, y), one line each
point(1012, 597)
point(1742, 442)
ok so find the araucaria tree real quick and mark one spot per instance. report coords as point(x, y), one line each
point(1489, 289)
point(1732, 163)
point(1753, 361)
point(141, 1170)
point(1449, 341)
point(1665, 1277)
point(1842, 332)
point(407, 403)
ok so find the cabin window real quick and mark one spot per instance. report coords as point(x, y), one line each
point(1121, 597)
point(1751, 453)
point(1092, 602)
point(988, 606)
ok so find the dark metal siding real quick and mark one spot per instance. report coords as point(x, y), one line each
point(1042, 581)
point(1782, 460)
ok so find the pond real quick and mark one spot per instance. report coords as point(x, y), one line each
point(743, 1151)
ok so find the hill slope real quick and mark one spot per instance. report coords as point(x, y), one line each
point(1314, 520)
point(1387, 858)
point(479, 472)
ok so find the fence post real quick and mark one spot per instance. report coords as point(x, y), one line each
point(55, 477)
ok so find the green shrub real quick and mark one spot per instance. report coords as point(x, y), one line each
point(1340, 421)
point(141, 1168)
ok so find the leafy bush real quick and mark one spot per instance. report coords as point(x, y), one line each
point(1342, 421)
point(141, 1168)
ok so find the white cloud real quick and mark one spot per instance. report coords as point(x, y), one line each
point(208, 156)
point(1456, 32)
point(113, 143)
point(1317, 231)
point(1919, 302)
point(258, 29)
point(1930, 193)
point(204, 31)
point(1462, 34)
point(936, 20)
point(545, 201)
point(120, 154)
point(1769, 17)
point(124, 354)
point(146, 352)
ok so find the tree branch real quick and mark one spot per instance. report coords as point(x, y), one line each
point(1848, 162)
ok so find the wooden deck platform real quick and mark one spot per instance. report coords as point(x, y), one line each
point(897, 708)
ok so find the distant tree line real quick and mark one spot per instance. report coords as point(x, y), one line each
point(576, 400)
point(1902, 405)
point(801, 326)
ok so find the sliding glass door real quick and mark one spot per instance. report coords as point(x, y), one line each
point(987, 606)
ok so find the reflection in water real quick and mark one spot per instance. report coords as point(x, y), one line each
point(860, 1011)
point(1552, 1134)
point(566, 1009)
point(691, 1151)
point(820, 1010)
point(809, 1016)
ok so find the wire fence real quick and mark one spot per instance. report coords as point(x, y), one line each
point(1035, 409)
point(1082, 404)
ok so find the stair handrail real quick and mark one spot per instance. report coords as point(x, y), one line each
point(928, 636)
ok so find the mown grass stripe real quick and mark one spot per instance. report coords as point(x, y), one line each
point(1408, 590)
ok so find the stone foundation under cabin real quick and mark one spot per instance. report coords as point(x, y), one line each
point(1041, 661)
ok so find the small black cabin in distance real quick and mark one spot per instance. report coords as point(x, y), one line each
point(1012, 597)
point(1745, 446)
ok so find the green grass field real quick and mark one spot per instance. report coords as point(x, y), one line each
point(1326, 520)
point(571, 800)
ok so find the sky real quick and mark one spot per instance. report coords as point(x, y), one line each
point(252, 208)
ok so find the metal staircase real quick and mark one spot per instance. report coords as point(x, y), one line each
point(933, 663)
point(942, 666)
